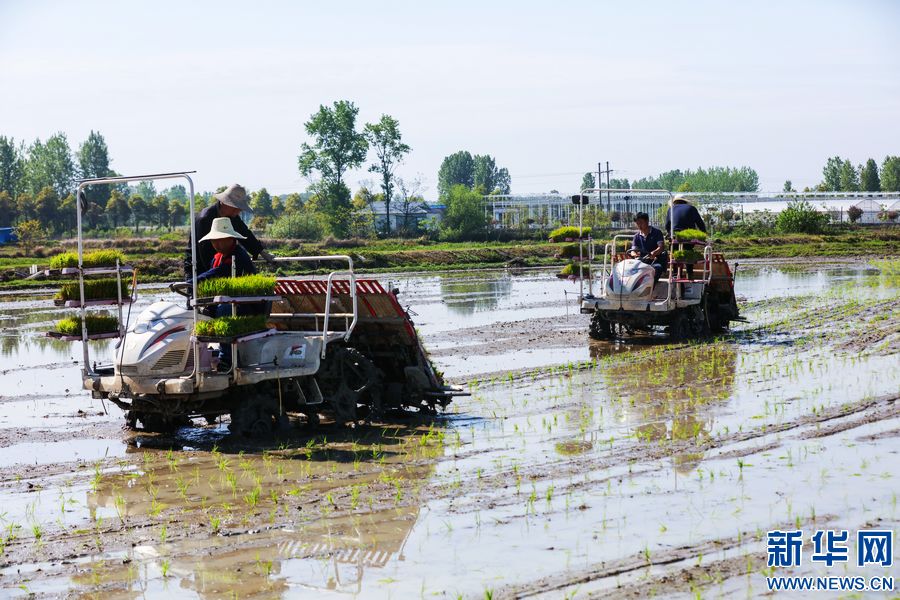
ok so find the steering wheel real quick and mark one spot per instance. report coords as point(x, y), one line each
point(182, 288)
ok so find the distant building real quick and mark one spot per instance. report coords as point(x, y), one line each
point(7, 235)
point(411, 218)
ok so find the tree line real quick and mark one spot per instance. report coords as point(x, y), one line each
point(840, 175)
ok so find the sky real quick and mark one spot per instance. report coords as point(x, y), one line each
point(547, 88)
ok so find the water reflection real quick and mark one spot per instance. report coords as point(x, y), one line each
point(671, 398)
point(464, 296)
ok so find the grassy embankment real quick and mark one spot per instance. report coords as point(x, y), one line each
point(161, 260)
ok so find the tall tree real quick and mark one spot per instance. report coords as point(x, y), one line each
point(456, 169)
point(869, 181)
point(138, 207)
point(50, 164)
point(337, 147)
point(587, 181)
point(7, 209)
point(117, 209)
point(159, 209)
point(46, 208)
point(385, 138)
point(261, 203)
point(177, 192)
point(177, 213)
point(146, 189)
point(890, 174)
point(93, 161)
point(484, 173)
point(831, 173)
point(293, 203)
point(849, 178)
point(12, 166)
point(788, 186)
point(504, 181)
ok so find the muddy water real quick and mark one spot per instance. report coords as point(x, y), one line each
point(575, 467)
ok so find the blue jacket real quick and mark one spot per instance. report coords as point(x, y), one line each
point(686, 216)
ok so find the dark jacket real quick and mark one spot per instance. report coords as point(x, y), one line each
point(205, 251)
point(686, 216)
point(243, 266)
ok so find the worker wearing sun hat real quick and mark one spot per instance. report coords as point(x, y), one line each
point(230, 203)
point(682, 215)
point(224, 241)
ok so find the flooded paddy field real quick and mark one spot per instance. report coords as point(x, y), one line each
point(575, 469)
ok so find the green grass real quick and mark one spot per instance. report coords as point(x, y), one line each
point(94, 289)
point(96, 323)
point(230, 326)
point(248, 285)
point(687, 235)
point(567, 232)
point(687, 255)
point(97, 258)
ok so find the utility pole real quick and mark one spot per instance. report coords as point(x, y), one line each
point(600, 174)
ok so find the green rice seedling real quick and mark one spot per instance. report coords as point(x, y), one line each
point(97, 258)
point(215, 524)
point(687, 255)
point(561, 234)
point(231, 326)
point(94, 289)
point(164, 567)
point(96, 323)
point(687, 235)
point(248, 285)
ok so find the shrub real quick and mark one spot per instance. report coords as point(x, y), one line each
point(568, 232)
point(688, 255)
point(854, 213)
point(94, 289)
point(801, 217)
point(687, 235)
point(464, 219)
point(96, 323)
point(231, 326)
point(305, 225)
point(248, 285)
point(98, 258)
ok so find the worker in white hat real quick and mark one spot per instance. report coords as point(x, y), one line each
point(230, 203)
point(683, 215)
point(223, 240)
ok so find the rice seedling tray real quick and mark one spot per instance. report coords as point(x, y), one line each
point(235, 300)
point(77, 338)
point(72, 271)
point(236, 339)
point(96, 302)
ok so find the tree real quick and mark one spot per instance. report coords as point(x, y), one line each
point(484, 172)
point(831, 173)
point(890, 174)
point(159, 211)
point(410, 198)
point(465, 218)
point(293, 203)
point(504, 181)
point(619, 184)
point(93, 161)
point(46, 208)
point(177, 213)
point(587, 181)
point(849, 177)
point(277, 206)
point(385, 138)
point(146, 189)
point(7, 209)
point(29, 233)
point(138, 207)
point(117, 209)
point(854, 213)
point(50, 164)
point(868, 178)
point(456, 169)
point(12, 167)
point(177, 192)
point(788, 187)
point(337, 147)
point(261, 203)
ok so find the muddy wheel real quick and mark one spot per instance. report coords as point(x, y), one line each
point(257, 416)
point(211, 419)
point(157, 423)
point(347, 375)
point(697, 322)
point(679, 328)
point(130, 420)
point(312, 417)
point(600, 328)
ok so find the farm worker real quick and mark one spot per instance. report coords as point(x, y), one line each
point(649, 245)
point(229, 204)
point(682, 215)
point(223, 240)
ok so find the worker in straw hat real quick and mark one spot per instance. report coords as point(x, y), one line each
point(230, 203)
point(683, 215)
point(223, 240)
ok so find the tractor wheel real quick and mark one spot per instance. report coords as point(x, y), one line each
point(159, 423)
point(600, 328)
point(679, 328)
point(346, 375)
point(257, 416)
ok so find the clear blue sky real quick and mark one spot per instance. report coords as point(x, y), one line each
point(548, 88)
